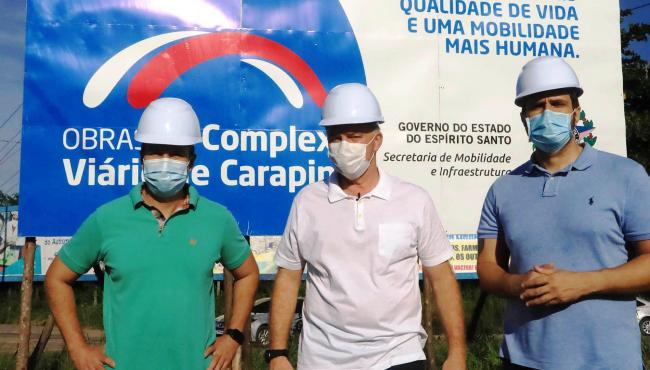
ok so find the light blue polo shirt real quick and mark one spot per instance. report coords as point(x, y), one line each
point(580, 219)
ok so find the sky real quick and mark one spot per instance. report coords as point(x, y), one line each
point(12, 48)
point(12, 40)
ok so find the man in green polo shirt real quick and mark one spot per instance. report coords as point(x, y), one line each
point(158, 244)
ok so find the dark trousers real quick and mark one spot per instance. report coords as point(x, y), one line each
point(417, 365)
point(507, 365)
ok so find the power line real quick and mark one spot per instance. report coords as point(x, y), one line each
point(8, 188)
point(12, 177)
point(12, 184)
point(7, 142)
point(3, 152)
point(8, 154)
point(639, 7)
point(11, 115)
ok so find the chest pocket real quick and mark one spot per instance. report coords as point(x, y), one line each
point(396, 241)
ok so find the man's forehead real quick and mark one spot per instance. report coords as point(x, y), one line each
point(351, 129)
point(551, 96)
point(162, 149)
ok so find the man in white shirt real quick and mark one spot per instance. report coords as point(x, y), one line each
point(359, 234)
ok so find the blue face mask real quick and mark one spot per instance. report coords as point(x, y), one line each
point(550, 131)
point(165, 177)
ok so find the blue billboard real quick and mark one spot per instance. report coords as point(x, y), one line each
point(256, 73)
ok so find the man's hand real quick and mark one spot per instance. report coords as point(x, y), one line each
point(280, 363)
point(516, 282)
point(455, 362)
point(223, 350)
point(550, 286)
point(89, 357)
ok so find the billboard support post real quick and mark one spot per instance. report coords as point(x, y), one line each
point(42, 342)
point(4, 237)
point(476, 316)
point(26, 304)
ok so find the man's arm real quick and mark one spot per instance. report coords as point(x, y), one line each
point(58, 287)
point(449, 303)
point(629, 278)
point(493, 271)
point(554, 286)
point(283, 306)
point(493, 254)
point(247, 277)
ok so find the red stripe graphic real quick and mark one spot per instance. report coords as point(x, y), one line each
point(150, 82)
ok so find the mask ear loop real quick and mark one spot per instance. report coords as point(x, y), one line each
point(372, 139)
point(370, 142)
point(576, 134)
point(528, 126)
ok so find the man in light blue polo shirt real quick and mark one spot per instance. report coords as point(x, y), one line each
point(566, 238)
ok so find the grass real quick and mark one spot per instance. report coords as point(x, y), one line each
point(483, 355)
point(483, 351)
point(88, 299)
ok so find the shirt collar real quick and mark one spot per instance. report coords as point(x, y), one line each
point(382, 190)
point(584, 161)
point(136, 196)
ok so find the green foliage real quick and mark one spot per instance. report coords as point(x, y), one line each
point(636, 87)
point(88, 299)
point(8, 199)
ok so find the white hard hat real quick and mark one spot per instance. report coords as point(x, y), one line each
point(545, 74)
point(169, 121)
point(350, 103)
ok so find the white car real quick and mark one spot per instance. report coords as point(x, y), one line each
point(260, 333)
point(643, 315)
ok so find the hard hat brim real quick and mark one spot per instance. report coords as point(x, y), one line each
point(519, 100)
point(357, 121)
point(155, 139)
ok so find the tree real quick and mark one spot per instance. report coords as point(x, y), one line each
point(8, 199)
point(636, 87)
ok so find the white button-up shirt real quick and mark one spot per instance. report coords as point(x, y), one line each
point(362, 307)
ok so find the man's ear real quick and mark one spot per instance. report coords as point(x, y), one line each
point(192, 160)
point(522, 116)
point(576, 116)
point(378, 141)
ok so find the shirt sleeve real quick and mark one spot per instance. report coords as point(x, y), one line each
point(636, 218)
point(288, 254)
point(234, 247)
point(489, 226)
point(84, 249)
point(433, 244)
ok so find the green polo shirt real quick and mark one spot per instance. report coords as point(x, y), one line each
point(158, 289)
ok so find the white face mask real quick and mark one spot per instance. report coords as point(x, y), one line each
point(350, 158)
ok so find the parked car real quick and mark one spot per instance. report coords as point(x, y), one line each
point(643, 315)
point(260, 333)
